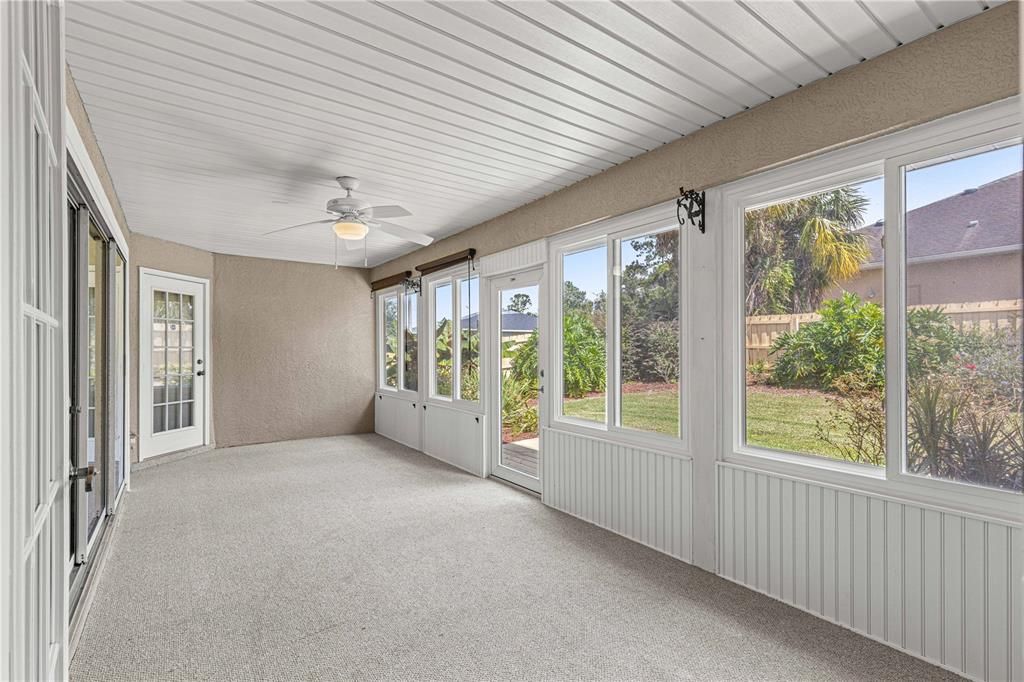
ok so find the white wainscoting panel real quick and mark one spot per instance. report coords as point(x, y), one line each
point(938, 584)
point(518, 258)
point(454, 436)
point(643, 495)
point(398, 418)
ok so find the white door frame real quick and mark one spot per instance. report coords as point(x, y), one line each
point(145, 391)
point(492, 329)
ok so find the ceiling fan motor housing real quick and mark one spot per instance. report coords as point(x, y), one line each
point(348, 205)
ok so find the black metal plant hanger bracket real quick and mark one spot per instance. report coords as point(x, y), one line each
point(691, 201)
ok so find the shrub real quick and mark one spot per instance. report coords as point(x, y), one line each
point(855, 426)
point(849, 339)
point(650, 352)
point(518, 405)
point(583, 368)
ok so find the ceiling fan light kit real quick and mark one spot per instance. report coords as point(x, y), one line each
point(353, 217)
point(350, 229)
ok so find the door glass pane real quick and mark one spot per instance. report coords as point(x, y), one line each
point(186, 414)
point(174, 361)
point(97, 376)
point(584, 279)
point(469, 338)
point(159, 304)
point(410, 364)
point(173, 306)
point(964, 372)
point(519, 379)
point(158, 418)
point(815, 332)
point(443, 340)
point(649, 332)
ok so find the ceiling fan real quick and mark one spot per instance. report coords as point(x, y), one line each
point(353, 218)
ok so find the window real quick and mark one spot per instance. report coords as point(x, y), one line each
point(410, 347)
point(814, 327)
point(879, 313)
point(391, 340)
point(456, 337)
point(584, 280)
point(620, 326)
point(964, 372)
point(443, 358)
point(649, 332)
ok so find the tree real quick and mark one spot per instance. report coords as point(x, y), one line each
point(520, 303)
point(575, 299)
point(797, 250)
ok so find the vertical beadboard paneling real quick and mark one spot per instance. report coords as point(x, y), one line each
point(518, 258)
point(643, 495)
point(941, 585)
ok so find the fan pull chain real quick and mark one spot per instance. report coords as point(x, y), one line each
point(365, 249)
point(335, 253)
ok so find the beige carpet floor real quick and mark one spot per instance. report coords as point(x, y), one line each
point(356, 558)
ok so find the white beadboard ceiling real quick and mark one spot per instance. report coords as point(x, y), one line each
point(220, 121)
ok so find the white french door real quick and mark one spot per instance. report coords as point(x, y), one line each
point(517, 384)
point(173, 363)
point(33, 335)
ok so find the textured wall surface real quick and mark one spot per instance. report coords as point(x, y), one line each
point(76, 108)
point(149, 252)
point(293, 350)
point(966, 65)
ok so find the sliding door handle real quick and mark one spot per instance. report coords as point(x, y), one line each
point(84, 472)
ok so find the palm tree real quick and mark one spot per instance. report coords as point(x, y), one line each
point(798, 250)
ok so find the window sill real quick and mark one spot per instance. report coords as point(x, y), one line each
point(455, 405)
point(947, 496)
point(670, 447)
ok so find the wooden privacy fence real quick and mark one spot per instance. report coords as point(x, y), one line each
point(762, 330)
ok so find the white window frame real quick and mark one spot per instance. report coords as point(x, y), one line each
point(610, 233)
point(381, 297)
point(726, 206)
point(453, 276)
point(403, 296)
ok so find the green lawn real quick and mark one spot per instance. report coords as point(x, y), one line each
point(774, 419)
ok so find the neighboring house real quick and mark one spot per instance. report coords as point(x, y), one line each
point(961, 249)
point(514, 326)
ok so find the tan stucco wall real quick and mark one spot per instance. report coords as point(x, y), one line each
point(150, 252)
point(76, 108)
point(293, 350)
point(966, 65)
point(995, 277)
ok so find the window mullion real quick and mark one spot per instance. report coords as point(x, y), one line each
point(611, 305)
point(456, 339)
point(894, 278)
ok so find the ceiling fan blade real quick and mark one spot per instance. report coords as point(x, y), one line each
point(403, 233)
point(389, 212)
point(292, 227)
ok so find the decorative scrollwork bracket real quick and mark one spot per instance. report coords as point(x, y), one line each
point(691, 202)
point(413, 284)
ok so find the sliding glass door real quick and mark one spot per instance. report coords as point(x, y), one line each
point(98, 362)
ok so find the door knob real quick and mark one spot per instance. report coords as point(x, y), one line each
point(201, 373)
